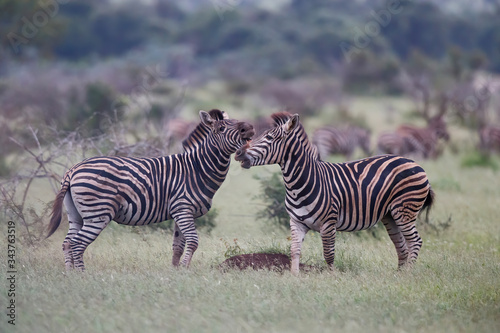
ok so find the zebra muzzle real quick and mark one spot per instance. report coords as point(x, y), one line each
point(242, 157)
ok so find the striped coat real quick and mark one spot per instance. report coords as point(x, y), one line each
point(408, 140)
point(331, 140)
point(140, 191)
point(398, 144)
point(328, 197)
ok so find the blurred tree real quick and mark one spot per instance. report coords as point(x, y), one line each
point(421, 26)
point(95, 109)
point(489, 42)
point(477, 60)
point(29, 23)
point(456, 62)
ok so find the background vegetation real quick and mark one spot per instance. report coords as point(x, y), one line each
point(121, 78)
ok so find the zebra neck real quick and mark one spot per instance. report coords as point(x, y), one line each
point(299, 161)
point(210, 164)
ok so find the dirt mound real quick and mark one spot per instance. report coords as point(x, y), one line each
point(271, 261)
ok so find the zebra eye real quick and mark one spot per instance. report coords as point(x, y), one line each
point(269, 137)
point(222, 129)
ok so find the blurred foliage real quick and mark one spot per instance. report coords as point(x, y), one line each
point(273, 193)
point(280, 39)
point(479, 159)
point(95, 111)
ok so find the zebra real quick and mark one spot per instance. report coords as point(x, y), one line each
point(331, 140)
point(489, 138)
point(329, 197)
point(397, 144)
point(428, 136)
point(411, 140)
point(139, 191)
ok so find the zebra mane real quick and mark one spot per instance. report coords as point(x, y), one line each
point(200, 132)
point(280, 118)
point(216, 114)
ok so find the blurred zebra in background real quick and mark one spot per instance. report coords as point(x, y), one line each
point(415, 141)
point(140, 191)
point(396, 144)
point(331, 140)
point(328, 197)
point(489, 138)
point(419, 142)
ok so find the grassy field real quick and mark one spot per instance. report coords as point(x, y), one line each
point(130, 286)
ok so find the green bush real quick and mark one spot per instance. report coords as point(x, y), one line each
point(479, 159)
point(273, 192)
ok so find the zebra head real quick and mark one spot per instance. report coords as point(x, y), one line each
point(271, 146)
point(227, 134)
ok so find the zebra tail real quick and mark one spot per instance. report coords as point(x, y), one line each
point(429, 201)
point(55, 219)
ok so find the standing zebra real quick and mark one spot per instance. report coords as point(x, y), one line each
point(140, 191)
point(397, 144)
point(327, 197)
point(418, 141)
point(330, 140)
point(428, 136)
point(489, 138)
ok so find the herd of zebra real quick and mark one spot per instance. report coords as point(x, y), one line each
point(407, 140)
point(320, 196)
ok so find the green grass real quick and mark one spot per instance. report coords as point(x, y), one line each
point(130, 286)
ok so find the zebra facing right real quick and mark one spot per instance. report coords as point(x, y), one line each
point(329, 197)
point(140, 191)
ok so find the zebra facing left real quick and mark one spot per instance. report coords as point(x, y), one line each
point(330, 197)
point(141, 191)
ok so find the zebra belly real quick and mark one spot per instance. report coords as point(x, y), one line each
point(125, 216)
point(354, 225)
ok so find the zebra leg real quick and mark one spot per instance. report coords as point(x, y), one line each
point(405, 218)
point(75, 225)
point(328, 232)
point(397, 238)
point(87, 234)
point(185, 222)
point(299, 231)
point(74, 228)
point(178, 245)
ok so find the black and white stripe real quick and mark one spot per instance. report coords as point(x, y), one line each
point(415, 141)
point(397, 144)
point(332, 140)
point(327, 197)
point(140, 191)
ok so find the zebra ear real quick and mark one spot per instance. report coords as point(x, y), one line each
point(292, 123)
point(206, 119)
point(225, 115)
